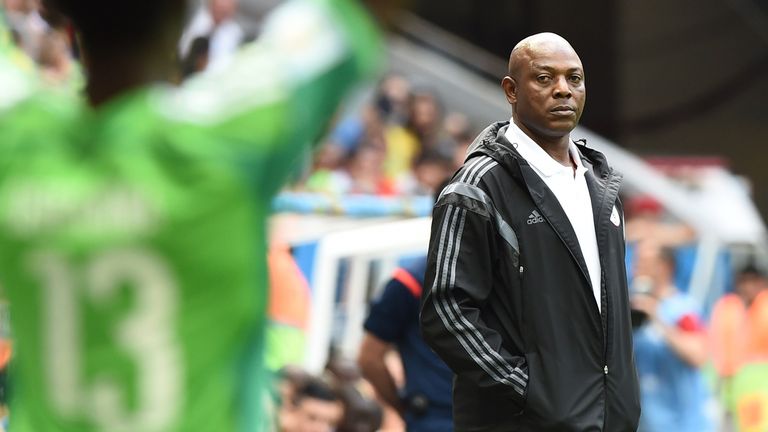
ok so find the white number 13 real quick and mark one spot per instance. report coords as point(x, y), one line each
point(146, 334)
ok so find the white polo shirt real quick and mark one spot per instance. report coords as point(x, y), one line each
point(571, 191)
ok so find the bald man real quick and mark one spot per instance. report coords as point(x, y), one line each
point(525, 292)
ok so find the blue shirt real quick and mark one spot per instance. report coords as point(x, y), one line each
point(674, 395)
point(394, 318)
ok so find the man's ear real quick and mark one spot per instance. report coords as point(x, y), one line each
point(510, 89)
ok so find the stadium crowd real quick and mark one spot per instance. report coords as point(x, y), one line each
point(403, 141)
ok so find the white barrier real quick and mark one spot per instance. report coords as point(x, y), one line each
point(386, 240)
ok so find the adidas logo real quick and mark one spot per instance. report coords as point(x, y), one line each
point(535, 218)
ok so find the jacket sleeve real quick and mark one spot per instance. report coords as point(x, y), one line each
point(458, 280)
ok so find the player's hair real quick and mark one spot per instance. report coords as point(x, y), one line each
point(119, 24)
point(315, 388)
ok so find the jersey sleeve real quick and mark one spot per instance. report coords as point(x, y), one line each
point(276, 97)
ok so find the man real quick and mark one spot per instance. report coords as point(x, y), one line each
point(215, 21)
point(425, 402)
point(670, 348)
point(317, 408)
point(525, 290)
point(133, 226)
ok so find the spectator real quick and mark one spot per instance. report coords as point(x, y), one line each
point(56, 64)
point(739, 332)
point(430, 169)
point(289, 380)
point(317, 408)
point(361, 411)
point(425, 401)
point(392, 98)
point(27, 23)
point(670, 348)
point(215, 20)
point(361, 173)
point(645, 220)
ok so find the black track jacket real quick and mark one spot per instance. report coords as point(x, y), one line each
point(507, 303)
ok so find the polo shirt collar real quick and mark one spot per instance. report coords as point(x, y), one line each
point(537, 157)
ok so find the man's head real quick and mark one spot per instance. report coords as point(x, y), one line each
point(114, 27)
point(750, 282)
point(656, 264)
point(318, 408)
point(545, 86)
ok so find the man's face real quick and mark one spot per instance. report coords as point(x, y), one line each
point(548, 91)
point(317, 415)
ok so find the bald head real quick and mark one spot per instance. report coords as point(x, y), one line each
point(535, 46)
point(545, 87)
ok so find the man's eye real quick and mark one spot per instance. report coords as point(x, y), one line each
point(543, 79)
point(576, 78)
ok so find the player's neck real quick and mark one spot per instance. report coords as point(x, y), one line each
point(113, 75)
point(557, 147)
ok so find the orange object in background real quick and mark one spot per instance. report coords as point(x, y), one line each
point(727, 335)
point(751, 414)
point(757, 318)
point(6, 350)
point(289, 294)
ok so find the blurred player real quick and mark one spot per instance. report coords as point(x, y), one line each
point(133, 226)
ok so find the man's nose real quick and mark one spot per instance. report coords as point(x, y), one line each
point(562, 89)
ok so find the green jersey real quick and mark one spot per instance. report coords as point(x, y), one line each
point(132, 236)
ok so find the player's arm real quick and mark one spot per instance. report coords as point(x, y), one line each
point(276, 97)
point(459, 278)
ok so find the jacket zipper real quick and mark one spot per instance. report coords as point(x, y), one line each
point(609, 178)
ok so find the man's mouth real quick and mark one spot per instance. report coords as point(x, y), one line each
point(563, 108)
point(563, 111)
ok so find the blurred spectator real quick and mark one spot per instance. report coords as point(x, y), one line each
point(27, 24)
point(739, 341)
point(645, 220)
point(361, 173)
point(215, 20)
point(361, 411)
point(422, 131)
point(392, 98)
point(56, 64)
point(197, 58)
point(425, 401)
point(670, 348)
point(289, 380)
point(316, 408)
point(430, 169)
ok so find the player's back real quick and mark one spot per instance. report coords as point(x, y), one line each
point(140, 263)
point(132, 236)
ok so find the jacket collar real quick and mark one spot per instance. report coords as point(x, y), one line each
point(602, 181)
point(539, 159)
point(492, 141)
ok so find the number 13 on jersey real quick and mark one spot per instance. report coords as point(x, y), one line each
point(145, 335)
